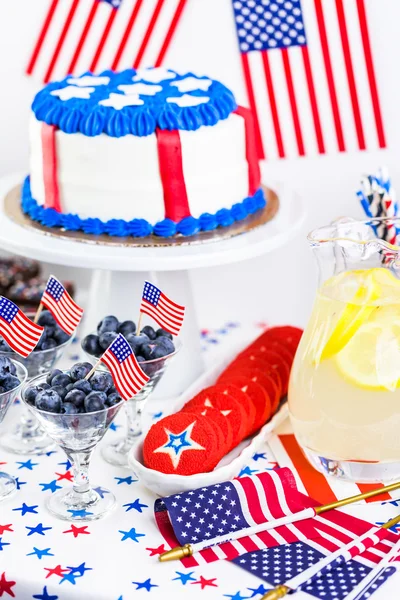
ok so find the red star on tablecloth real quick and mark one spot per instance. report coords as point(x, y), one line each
point(77, 530)
point(205, 582)
point(58, 570)
point(3, 463)
point(67, 475)
point(155, 551)
point(4, 528)
point(5, 586)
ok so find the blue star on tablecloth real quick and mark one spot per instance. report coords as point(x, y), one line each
point(79, 513)
point(237, 596)
point(19, 483)
point(38, 529)
point(52, 486)
point(27, 509)
point(26, 465)
point(50, 452)
point(80, 569)
point(259, 455)
point(114, 426)
point(101, 491)
point(129, 480)
point(131, 535)
point(247, 471)
point(69, 577)
point(67, 464)
point(40, 553)
point(145, 585)
point(136, 505)
point(261, 590)
point(2, 544)
point(184, 577)
point(45, 595)
point(157, 415)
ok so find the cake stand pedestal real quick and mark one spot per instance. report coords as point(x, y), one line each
point(117, 272)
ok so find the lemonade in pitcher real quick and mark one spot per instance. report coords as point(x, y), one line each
point(344, 394)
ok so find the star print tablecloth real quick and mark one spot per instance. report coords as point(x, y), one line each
point(116, 558)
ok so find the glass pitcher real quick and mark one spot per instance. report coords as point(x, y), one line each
point(344, 392)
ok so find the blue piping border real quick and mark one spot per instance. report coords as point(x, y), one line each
point(140, 227)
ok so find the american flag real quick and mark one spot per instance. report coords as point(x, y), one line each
point(128, 377)
point(309, 74)
point(80, 35)
point(20, 333)
point(164, 311)
point(208, 513)
point(65, 311)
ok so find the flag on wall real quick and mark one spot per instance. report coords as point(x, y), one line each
point(309, 74)
point(92, 35)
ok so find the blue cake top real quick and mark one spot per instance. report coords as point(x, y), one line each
point(133, 102)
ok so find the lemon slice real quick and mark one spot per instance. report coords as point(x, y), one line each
point(371, 359)
point(354, 315)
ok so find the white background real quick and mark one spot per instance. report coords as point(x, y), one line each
point(278, 287)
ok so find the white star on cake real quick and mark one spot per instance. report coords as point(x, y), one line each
point(187, 100)
point(154, 75)
point(175, 450)
point(146, 89)
point(88, 80)
point(190, 84)
point(71, 91)
point(119, 101)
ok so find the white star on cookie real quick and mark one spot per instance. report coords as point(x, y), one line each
point(187, 100)
point(190, 84)
point(178, 443)
point(88, 80)
point(146, 89)
point(71, 91)
point(119, 101)
point(154, 75)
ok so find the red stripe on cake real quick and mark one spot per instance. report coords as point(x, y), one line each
point(171, 170)
point(50, 174)
point(251, 149)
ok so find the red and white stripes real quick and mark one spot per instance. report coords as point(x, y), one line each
point(81, 35)
point(50, 167)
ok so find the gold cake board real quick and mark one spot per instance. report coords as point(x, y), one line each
point(12, 208)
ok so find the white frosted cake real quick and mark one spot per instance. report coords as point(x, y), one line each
point(138, 153)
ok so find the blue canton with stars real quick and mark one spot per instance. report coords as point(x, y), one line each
point(205, 513)
point(55, 289)
point(278, 565)
point(268, 24)
point(8, 309)
point(151, 293)
point(120, 348)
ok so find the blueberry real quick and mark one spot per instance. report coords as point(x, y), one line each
point(79, 371)
point(44, 386)
point(6, 367)
point(49, 401)
point(165, 343)
point(109, 323)
point(31, 394)
point(112, 390)
point(140, 359)
point(61, 379)
point(76, 397)
point(48, 344)
point(113, 399)
point(100, 382)
point(149, 331)
point(83, 385)
point(61, 390)
point(126, 328)
point(95, 401)
point(137, 341)
point(2, 390)
point(69, 409)
point(91, 345)
point(162, 333)
point(107, 338)
point(153, 351)
point(4, 347)
point(10, 382)
point(46, 318)
point(48, 331)
point(52, 374)
point(60, 336)
point(69, 387)
point(110, 382)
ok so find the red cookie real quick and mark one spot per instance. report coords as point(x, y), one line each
point(259, 369)
point(181, 444)
point(215, 416)
point(244, 401)
point(257, 376)
point(259, 398)
point(230, 407)
point(288, 335)
point(276, 361)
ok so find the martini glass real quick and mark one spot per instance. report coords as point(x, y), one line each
point(28, 437)
point(116, 453)
point(7, 483)
point(77, 435)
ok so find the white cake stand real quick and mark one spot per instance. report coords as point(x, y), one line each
point(117, 273)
